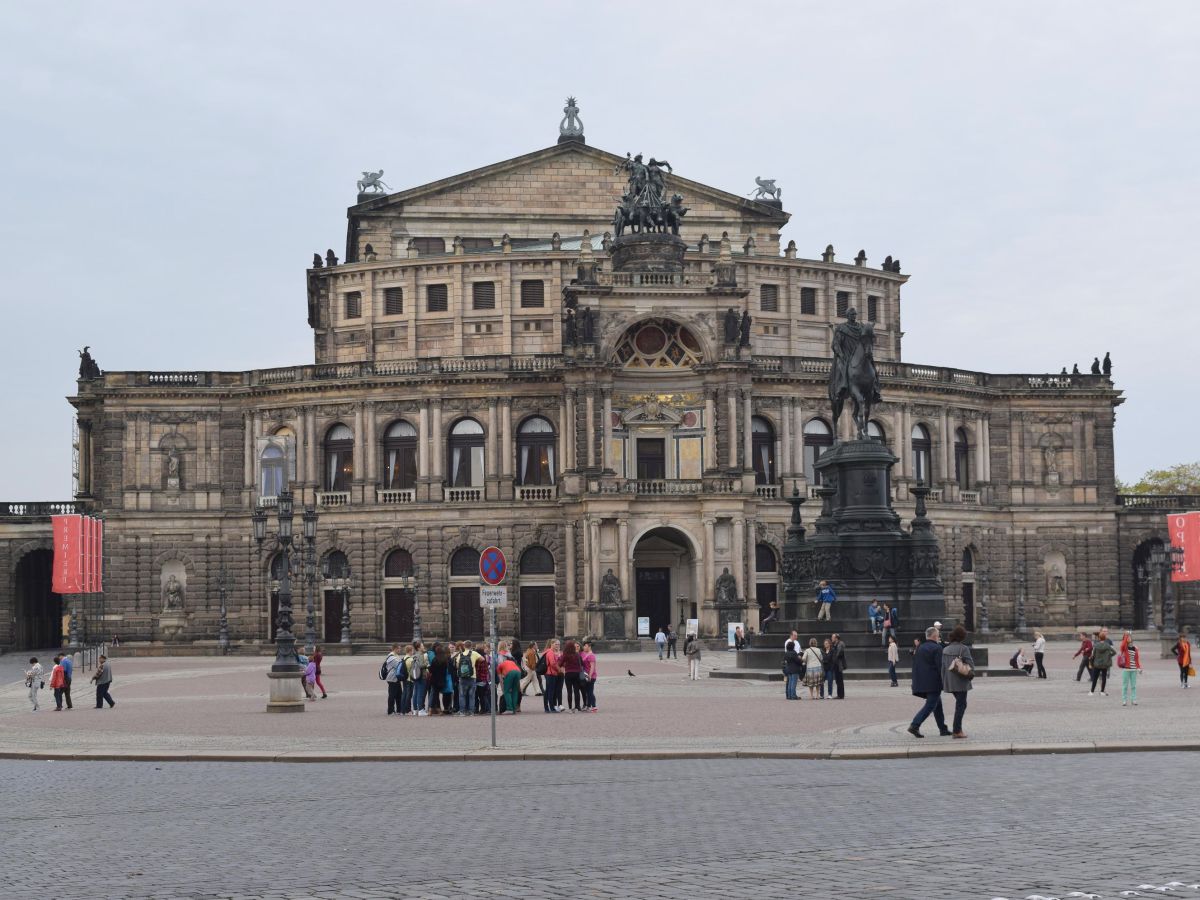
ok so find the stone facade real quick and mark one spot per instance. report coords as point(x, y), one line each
point(660, 450)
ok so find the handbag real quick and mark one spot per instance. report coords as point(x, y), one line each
point(1191, 671)
point(961, 668)
point(584, 677)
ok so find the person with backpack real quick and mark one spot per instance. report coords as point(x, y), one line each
point(549, 667)
point(958, 669)
point(389, 672)
point(1102, 660)
point(418, 674)
point(1084, 651)
point(1129, 661)
point(483, 686)
point(464, 668)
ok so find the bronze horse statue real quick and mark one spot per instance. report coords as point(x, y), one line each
point(853, 374)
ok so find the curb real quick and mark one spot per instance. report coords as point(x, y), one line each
point(485, 754)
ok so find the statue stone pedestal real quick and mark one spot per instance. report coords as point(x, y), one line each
point(171, 626)
point(286, 692)
point(648, 252)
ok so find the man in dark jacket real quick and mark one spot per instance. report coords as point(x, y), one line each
point(927, 683)
point(838, 650)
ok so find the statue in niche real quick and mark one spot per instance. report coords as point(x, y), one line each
point(588, 327)
point(1058, 584)
point(172, 594)
point(610, 589)
point(744, 328)
point(726, 588)
point(731, 326)
point(172, 464)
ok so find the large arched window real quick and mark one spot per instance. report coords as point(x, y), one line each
point(875, 430)
point(922, 455)
point(336, 563)
point(658, 344)
point(535, 452)
point(398, 564)
point(273, 462)
point(817, 439)
point(465, 561)
point(537, 560)
point(962, 459)
point(466, 454)
point(277, 564)
point(762, 440)
point(400, 457)
point(339, 458)
point(764, 558)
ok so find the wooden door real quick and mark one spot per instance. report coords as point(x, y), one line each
point(537, 613)
point(654, 596)
point(466, 616)
point(397, 615)
point(333, 617)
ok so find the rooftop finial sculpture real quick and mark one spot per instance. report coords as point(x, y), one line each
point(644, 206)
point(766, 188)
point(372, 183)
point(571, 126)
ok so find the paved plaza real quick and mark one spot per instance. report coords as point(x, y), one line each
point(210, 705)
point(956, 828)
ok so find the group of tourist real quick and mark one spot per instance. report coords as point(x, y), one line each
point(820, 666)
point(61, 674)
point(883, 619)
point(452, 678)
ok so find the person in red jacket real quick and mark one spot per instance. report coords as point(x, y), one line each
point(1084, 651)
point(1183, 656)
point(551, 696)
point(1129, 661)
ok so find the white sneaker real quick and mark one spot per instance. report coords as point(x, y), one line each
point(423, 712)
point(1102, 694)
point(1122, 702)
point(1091, 693)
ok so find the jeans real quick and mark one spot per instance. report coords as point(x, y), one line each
point(419, 690)
point(789, 690)
point(1129, 684)
point(589, 694)
point(672, 650)
point(395, 695)
point(1041, 668)
point(960, 708)
point(1083, 661)
point(662, 646)
point(549, 693)
point(102, 695)
point(406, 698)
point(58, 697)
point(67, 693)
point(574, 691)
point(1102, 675)
point(933, 704)
point(827, 687)
point(466, 696)
point(823, 612)
point(883, 635)
point(892, 673)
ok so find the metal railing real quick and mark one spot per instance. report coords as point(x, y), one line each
point(40, 509)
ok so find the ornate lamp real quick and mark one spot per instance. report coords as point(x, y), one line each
point(259, 521)
point(310, 524)
point(344, 583)
point(285, 516)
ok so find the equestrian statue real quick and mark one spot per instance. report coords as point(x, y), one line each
point(853, 374)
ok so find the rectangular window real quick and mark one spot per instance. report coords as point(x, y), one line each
point(393, 301)
point(808, 301)
point(651, 459)
point(483, 295)
point(471, 245)
point(533, 293)
point(437, 298)
point(425, 245)
point(872, 309)
point(843, 303)
point(354, 305)
point(768, 295)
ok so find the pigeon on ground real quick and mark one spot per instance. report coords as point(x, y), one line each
point(631, 675)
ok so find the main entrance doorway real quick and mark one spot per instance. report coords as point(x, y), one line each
point(38, 620)
point(333, 617)
point(654, 596)
point(664, 577)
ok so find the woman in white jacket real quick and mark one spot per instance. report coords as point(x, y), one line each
point(1039, 652)
point(33, 680)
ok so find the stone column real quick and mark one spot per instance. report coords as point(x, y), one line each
point(904, 441)
point(606, 450)
point(563, 462)
point(371, 448)
point(359, 440)
point(593, 561)
point(732, 427)
point(710, 429)
point(798, 443)
point(986, 428)
point(312, 474)
point(423, 441)
point(248, 463)
point(569, 426)
point(947, 447)
point(623, 558)
point(569, 538)
point(493, 445)
point(591, 428)
point(785, 446)
point(703, 594)
point(747, 430)
point(506, 445)
point(435, 469)
point(751, 592)
point(738, 567)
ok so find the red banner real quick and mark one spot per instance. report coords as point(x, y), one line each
point(1184, 529)
point(87, 554)
point(99, 555)
point(68, 554)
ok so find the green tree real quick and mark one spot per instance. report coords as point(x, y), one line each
point(1181, 479)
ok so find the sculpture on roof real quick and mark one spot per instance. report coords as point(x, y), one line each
point(766, 188)
point(372, 183)
point(644, 207)
point(571, 126)
point(87, 366)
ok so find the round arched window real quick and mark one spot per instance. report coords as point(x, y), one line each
point(535, 452)
point(658, 344)
point(400, 457)
point(817, 439)
point(762, 446)
point(339, 458)
point(398, 564)
point(922, 452)
point(466, 454)
point(465, 561)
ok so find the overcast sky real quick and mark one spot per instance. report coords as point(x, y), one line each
point(168, 169)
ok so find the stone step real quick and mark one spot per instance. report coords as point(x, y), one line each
point(852, 674)
point(856, 657)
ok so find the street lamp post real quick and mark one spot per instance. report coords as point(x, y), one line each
point(1167, 560)
point(223, 622)
point(1143, 577)
point(345, 585)
point(309, 520)
point(286, 691)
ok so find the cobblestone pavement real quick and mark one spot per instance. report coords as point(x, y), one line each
point(211, 704)
point(956, 828)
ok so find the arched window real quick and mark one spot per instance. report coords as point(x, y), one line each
point(876, 431)
point(658, 344)
point(277, 563)
point(764, 558)
point(962, 459)
point(398, 564)
point(399, 457)
point(921, 450)
point(535, 452)
point(466, 454)
point(968, 564)
point(339, 458)
point(465, 561)
point(762, 440)
point(337, 564)
point(537, 561)
point(817, 439)
point(274, 470)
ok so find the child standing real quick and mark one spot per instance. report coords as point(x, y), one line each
point(1129, 661)
point(310, 679)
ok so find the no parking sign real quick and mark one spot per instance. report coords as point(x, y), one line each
point(492, 566)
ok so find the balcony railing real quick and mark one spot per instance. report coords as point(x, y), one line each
point(935, 495)
point(267, 502)
point(968, 496)
point(333, 498)
point(767, 491)
point(664, 486)
point(462, 495)
point(39, 509)
point(536, 492)
point(1159, 501)
point(395, 495)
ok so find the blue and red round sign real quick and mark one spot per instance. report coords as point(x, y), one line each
point(492, 566)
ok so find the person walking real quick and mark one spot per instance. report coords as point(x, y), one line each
point(827, 671)
point(792, 666)
point(68, 664)
point(814, 668)
point(825, 600)
point(33, 680)
point(510, 680)
point(550, 701)
point(927, 683)
point(672, 637)
point(893, 657)
point(660, 640)
point(1183, 656)
point(103, 679)
point(310, 679)
point(1129, 661)
point(317, 657)
point(57, 679)
point(839, 664)
point(1102, 660)
point(395, 688)
point(1084, 653)
point(531, 661)
point(589, 683)
point(408, 688)
point(691, 650)
point(464, 667)
point(1039, 653)
point(572, 665)
point(958, 668)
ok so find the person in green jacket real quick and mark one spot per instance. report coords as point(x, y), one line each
point(1103, 652)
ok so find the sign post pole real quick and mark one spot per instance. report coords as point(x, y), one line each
point(492, 678)
point(492, 569)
